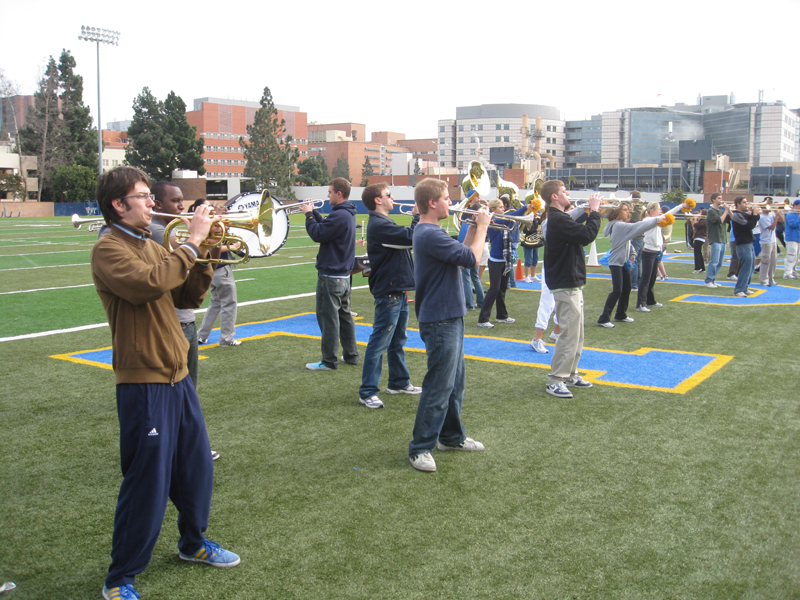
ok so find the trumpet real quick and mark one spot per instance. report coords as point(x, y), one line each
point(405, 207)
point(497, 220)
point(92, 223)
point(293, 209)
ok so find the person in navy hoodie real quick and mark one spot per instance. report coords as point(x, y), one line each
point(336, 236)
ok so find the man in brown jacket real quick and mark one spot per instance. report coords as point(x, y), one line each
point(163, 441)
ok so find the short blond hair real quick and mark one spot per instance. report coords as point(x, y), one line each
point(426, 190)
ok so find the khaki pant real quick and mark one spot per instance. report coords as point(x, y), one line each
point(567, 353)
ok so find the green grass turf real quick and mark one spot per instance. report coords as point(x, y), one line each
point(619, 493)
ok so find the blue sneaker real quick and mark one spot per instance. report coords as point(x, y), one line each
point(318, 366)
point(212, 554)
point(123, 592)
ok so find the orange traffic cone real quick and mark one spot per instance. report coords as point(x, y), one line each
point(518, 274)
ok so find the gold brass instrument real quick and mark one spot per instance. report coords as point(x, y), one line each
point(92, 223)
point(477, 179)
point(466, 216)
point(510, 188)
point(255, 222)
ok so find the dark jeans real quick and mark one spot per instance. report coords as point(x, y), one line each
point(335, 320)
point(647, 280)
point(498, 283)
point(620, 291)
point(699, 263)
point(733, 268)
point(388, 336)
point(439, 410)
point(470, 279)
point(637, 245)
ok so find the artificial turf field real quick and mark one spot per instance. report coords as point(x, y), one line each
point(659, 484)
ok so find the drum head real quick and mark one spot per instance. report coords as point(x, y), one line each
point(273, 227)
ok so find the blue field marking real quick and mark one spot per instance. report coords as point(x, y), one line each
point(776, 295)
point(646, 368)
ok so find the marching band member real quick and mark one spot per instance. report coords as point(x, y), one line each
point(390, 279)
point(651, 258)
point(440, 309)
point(792, 241)
point(743, 224)
point(715, 222)
point(565, 273)
point(336, 235)
point(163, 441)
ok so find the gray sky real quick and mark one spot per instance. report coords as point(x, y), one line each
point(394, 68)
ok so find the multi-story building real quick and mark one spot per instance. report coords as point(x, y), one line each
point(478, 129)
point(115, 141)
point(222, 122)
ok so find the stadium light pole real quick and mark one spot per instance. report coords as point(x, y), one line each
point(106, 36)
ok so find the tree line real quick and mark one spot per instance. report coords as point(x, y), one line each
point(60, 133)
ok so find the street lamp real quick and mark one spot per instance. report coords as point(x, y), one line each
point(95, 34)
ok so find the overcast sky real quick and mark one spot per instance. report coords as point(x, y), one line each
point(403, 66)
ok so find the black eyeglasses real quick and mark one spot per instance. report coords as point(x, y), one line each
point(141, 196)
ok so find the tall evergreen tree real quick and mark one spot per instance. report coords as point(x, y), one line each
point(271, 160)
point(313, 171)
point(342, 168)
point(161, 139)
point(59, 135)
point(366, 172)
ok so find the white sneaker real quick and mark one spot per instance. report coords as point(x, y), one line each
point(409, 389)
point(740, 295)
point(558, 390)
point(625, 320)
point(423, 462)
point(696, 271)
point(660, 278)
point(371, 402)
point(733, 277)
point(554, 336)
point(538, 346)
point(607, 324)
point(536, 279)
point(468, 445)
point(656, 305)
point(485, 325)
point(710, 284)
point(642, 309)
point(527, 279)
point(506, 320)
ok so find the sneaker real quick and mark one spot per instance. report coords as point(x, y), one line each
point(506, 320)
point(642, 309)
point(201, 342)
point(625, 320)
point(749, 292)
point(710, 284)
point(409, 389)
point(371, 402)
point(660, 278)
point(123, 592)
point(423, 462)
point(212, 554)
point(485, 325)
point(538, 346)
point(468, 445)
point(559, 390)
point(535, 279)
point(656, 305)
point(578, 382)
point(634, 289)
point(740, 295)
point(231, 343)
point(527, 279)
point(554, 336)
point(353, 313)
point(696, 271)
point(214, 455)
point(732, 277)
point(607, 324)
point(317, 366)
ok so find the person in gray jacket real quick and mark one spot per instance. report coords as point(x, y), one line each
point(620, 232)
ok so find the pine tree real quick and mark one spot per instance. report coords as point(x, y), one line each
point(81, 145)
point(366, 171)
point(313, 171)
point(342, 168)
point(161, 139)
point(271, 160)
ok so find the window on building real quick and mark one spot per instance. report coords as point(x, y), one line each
point(505, 126)
point(441, 128)
point(506, 138)
point(498, 126)
point(461, 128)
point(498, 139)
point(480, 127)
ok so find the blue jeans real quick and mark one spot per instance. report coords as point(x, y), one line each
point(747, 265)
point(470, 279)
point(439, 409)
point(335, 321)
point(638, 245)
point(715, 261)
point(388, 333)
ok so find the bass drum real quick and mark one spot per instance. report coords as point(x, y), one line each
point(273, 226)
